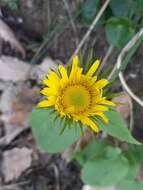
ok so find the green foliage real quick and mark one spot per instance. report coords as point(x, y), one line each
point(130, 185)
point(89, 10)
point(134, 165)
point(137, 151)
point(94, 149)
point(105, 165)
point(12, 4)
point(128, 8)
point(47, 131)
point(123, 7)
point(123, 18)
point(118, 31)
point(102, 164)
point(116, 127)
point(107, 169)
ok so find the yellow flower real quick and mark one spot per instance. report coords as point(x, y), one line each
point(78, 96)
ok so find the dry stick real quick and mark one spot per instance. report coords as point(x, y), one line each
point(90, 29)
point(71, 20)
point(117, 66)
point(14, 185)
point(131, 123)
point(107, 55)
point(57, 176)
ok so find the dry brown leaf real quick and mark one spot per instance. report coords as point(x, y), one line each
point(16, 104)
point(13, 69)
point(23, 105)
point(123, 106)
point(15, 162)
point(6, 34)
point(9, 94)
point(40, 71)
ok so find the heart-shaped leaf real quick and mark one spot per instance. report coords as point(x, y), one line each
point(47, 132)
point(119, 31)
point(105, 172)
point(116, 127)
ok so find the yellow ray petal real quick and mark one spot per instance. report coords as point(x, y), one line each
point(78, 74)
point(99, 108)
point(63, 72)
point(51, 83)
point(93, 79)
point(90, 123)
point(74, 67)
point(45, 103)
point(45, 82)
point(49, 91)
point(103, 117)
point(52, 79)
point(52, 99)
point(75, 60)
point(93, 68)
point(53, 76)
point(101, 83)
point(89, 81)
point(107, 102)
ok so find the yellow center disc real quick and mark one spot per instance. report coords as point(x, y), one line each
point(76, 96)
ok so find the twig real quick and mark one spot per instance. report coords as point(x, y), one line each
point(107, 55)
point(112, 72)
point(131, 123)
point(129, 91)
point(14, 185)
point(98, 16)
point(117, 66)
point(57, 176)
point(71, 20)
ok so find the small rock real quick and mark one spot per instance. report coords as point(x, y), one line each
point(15, 162)
point(123, 105)
point(13, 69)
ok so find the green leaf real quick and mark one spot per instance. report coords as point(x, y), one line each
point(47, 132)
point(134, 165)
point(131, 9)
point(13, 5)
point(130, 185)
point(89, 10)
point(137, 151)
point(119, 31)
point(94, 149)
point(111, 152)
point(111, 95)
point(116, 127)
point(123, 7)
point(105, 172)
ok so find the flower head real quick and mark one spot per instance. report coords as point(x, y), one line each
point(76, 95)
